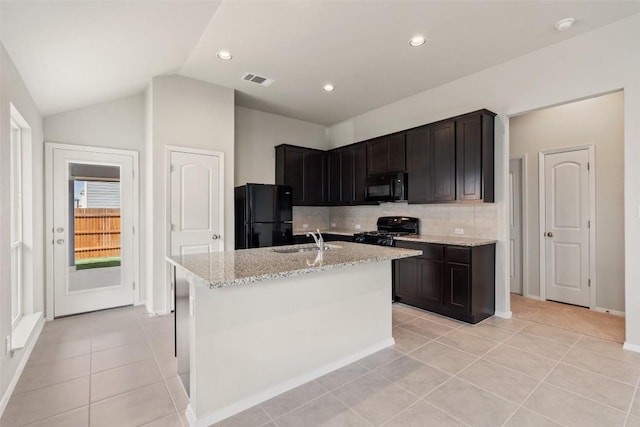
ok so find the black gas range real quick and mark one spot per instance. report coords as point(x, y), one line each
point(389, 227)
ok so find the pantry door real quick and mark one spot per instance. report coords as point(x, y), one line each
point(566, 231)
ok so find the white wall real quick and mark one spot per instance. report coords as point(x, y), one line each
point(598, 121)
point(13, 91)
point(598, 62)
point(186, 113)
point(258, 132)
point(115, 124)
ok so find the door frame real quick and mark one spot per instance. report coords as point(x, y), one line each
point(592, 217)
point(524, 196)
point(167, 196)
point(49, 148)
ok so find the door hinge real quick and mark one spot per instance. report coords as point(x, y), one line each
point(589, 282)
point(171, 168)
point(589, 224)
point(134, 286)
point(173, 227)
point(588, 166)
point(133, 174)
point(134, 229)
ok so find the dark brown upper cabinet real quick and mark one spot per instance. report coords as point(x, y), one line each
point(475, 157)
point(431, 161)
point(305, 170)
point(386, 154)
point(347, 174)
point(447, 161)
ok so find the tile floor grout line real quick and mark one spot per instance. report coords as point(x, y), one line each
point(540, 383)
point(633, 399)
point(599, 374)
point(289, 411)
point(351, 409)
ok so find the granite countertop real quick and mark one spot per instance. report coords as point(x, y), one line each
point(220, 269)
point(446, 240)
point(341, 232)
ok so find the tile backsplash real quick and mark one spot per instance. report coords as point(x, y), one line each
point(475, 220)
point(313, 216)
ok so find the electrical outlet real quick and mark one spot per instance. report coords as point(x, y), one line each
point(357, 226)
point(305, 225)
point(333, 225)
point(459, 231)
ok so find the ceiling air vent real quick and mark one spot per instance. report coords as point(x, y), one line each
point(261, 80)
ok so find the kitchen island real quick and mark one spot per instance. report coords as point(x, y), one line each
point(252, 324)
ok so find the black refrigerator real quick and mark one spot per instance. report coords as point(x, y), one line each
point(263, 216)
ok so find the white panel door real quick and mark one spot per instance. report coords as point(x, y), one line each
point(195, 203)
point(515, 225)
point(93, 250)
point(567, 227)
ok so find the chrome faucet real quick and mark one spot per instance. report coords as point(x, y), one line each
point(318, 239)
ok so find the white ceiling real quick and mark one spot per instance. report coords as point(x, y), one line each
point(73, 54)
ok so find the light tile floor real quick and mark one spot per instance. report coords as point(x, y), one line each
point(116, 368)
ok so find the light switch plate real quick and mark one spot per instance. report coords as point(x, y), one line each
point(357, 226)
point(333, 225)
point(305, 225)
point(459, 231)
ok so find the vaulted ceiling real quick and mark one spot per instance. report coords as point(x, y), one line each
point(77, 53)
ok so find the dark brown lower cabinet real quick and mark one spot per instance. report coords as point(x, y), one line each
point(455, 281)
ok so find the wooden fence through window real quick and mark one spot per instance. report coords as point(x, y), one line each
point(97, 232)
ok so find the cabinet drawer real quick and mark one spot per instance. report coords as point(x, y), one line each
point(429, 250)
point(457, 254)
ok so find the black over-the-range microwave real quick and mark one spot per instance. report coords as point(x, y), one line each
point(388, 187)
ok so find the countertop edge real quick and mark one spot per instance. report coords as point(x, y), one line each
point(407, 253)
point(447, 240)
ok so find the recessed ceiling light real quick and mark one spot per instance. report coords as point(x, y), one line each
point(328, 87)
point(224, 55)
point(564, 24)
point(417, 41)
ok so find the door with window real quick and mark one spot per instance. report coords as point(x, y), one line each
point(93, 230)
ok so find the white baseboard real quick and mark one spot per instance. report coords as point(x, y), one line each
point(631, 347)
point(237, 407)
point(23, 362)
point(503, 314)
point(535, 297)
point(609, 311)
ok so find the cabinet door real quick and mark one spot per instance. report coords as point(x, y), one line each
point(419, 165)
point(313, 181)
point(457, 287)
point(377, 156)
point(396, 158)
point(443, 162)
point(359, 172)
point(346, 177)
point(429, 290)
point(405, 280)
point(469, 158)
point(333, 177)
point(294, 173)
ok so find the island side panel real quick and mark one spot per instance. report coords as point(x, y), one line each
point(255, 341)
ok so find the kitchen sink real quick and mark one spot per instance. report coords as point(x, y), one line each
point(313, 248)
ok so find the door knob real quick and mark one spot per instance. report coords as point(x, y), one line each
point(215, 236)
point(60, 241)
point(549, 234)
